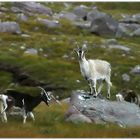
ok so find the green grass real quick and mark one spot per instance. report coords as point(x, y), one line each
point(54, 68)
point(50, 124)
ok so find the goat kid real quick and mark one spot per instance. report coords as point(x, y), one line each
point(129, 96)
point(93, 71)
point(26, 102)
point(3, 106)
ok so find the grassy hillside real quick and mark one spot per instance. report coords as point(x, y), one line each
point(50, 124)
point(51, 65)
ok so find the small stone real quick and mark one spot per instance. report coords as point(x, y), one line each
point(136, 69)
point(49, 23)
point(78, 118)
point(121, 47)
point(78, 81)
point(31, 51)
point(40, 49)
point(65, 56)
point(45, 55)
point(126, 77)
point(25, 35)
point(22, 47)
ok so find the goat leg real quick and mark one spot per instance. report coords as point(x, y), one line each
point(32, 116)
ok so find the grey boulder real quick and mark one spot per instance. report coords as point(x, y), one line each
point(102, 110)
point(9, 27)
point(81, 11)
point(136, 32)
point(68, 15)
point(49, 23)
point(33, 7)
point(103, 24)
point(22, 17)
point(122, 31)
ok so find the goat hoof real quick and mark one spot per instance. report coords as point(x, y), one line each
point(94, 96)
point(108, 97)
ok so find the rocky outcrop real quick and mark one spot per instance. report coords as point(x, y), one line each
point(136, 32)
point(101, 110)
point(81, 11)
point(103, 24)
point(32, 7)
point(22, 17)
point(9, 27)
point(131, 19)
point(66, 15)
point(113, 44)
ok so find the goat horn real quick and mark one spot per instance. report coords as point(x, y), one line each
point(44, 91)
point(57, 101)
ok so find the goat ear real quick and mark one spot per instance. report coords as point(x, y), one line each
point(75, 50)
point(77, 47)
point(49, 93)
point(84, 47)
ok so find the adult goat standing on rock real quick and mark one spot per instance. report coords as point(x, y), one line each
point(93, 71)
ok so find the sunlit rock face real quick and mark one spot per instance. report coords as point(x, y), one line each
point(101, 110)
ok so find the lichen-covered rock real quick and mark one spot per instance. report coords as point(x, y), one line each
point(9, 27)
point(136, 32)
point(83, 25)
point(131, 19)
point(103, 24)
point(49, 23)
point(22, 17)
point(122, 31)
point(33, 7)
point(113, 44)
point(103, 111)
point(93, 14)
point(136, 17)
point(81, 11)
point(68, 15)
point(78, 118)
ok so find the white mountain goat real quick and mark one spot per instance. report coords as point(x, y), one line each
point(93, 71)
point(3, 106)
